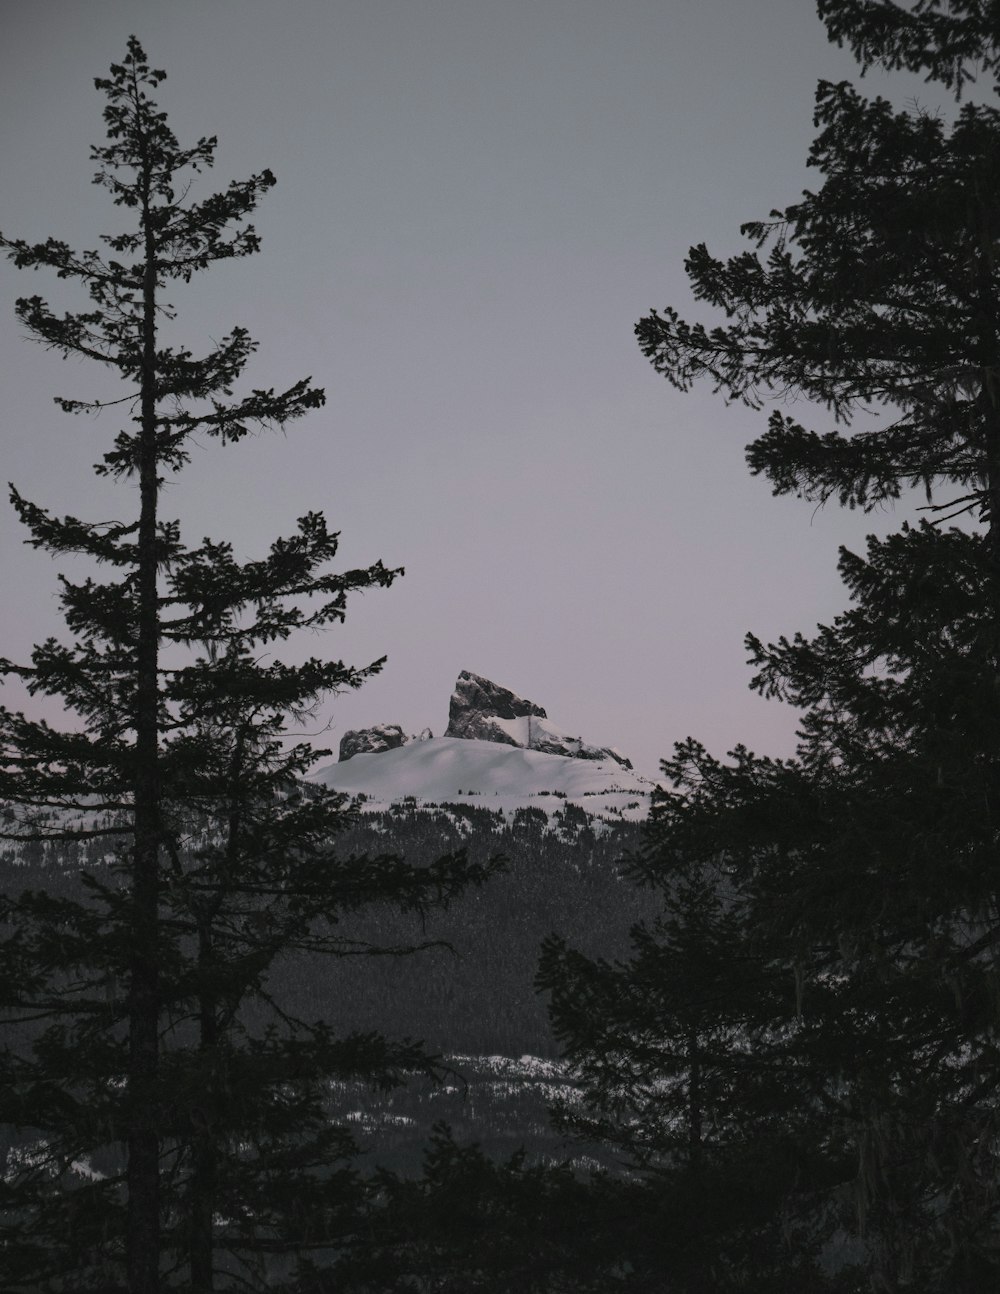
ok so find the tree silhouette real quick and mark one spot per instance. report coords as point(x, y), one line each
point(141, 991)
point(856, 882)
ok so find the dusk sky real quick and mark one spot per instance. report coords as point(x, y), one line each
point(476, 201)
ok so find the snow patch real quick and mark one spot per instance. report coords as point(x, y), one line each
point(448, 769)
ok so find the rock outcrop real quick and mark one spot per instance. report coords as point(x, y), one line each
point(481, 710)
point(371, 741)
point(476, 705)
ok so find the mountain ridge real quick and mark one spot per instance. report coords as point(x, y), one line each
point(498, 745)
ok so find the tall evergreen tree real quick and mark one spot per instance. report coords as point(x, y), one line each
point(866, 873)
point(137, 991)
point(861, 873)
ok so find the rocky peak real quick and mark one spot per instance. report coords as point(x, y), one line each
point(481, 710)
point(476, 704)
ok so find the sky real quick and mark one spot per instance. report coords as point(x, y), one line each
point(476, 201)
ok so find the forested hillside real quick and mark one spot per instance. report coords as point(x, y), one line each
point(468, 986)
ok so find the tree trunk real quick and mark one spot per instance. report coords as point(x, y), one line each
point(205, 1152)
point(204, 1155)
point(143, 1173)
point(694, 1100)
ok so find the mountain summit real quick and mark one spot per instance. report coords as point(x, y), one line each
point(497, 745)
point(478, 709)
point(483, 711)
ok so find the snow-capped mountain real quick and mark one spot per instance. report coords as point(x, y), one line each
point(497, 746)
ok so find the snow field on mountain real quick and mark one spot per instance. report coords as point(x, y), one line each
point(448, 769)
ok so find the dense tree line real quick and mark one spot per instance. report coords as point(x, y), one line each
point(471, 990)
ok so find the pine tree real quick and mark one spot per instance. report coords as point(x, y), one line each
point(472, 1222)
point(690, 1076)
point(861, 873)
point(867, 867)
point(878, 290)
point(138, 988)
point(946, 40)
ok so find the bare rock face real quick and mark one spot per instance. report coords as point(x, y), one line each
point(371, 741)
point(476, 704)
point(483, 711)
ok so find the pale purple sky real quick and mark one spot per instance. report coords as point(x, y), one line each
point(476, 201)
